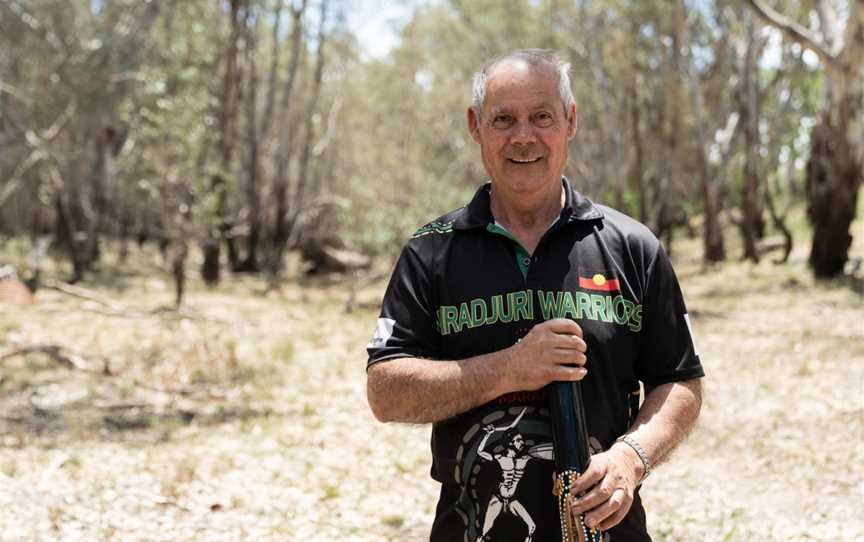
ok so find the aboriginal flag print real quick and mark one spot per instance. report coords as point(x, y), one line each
point(599, 283)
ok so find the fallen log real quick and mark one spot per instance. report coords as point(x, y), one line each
point(324, 258)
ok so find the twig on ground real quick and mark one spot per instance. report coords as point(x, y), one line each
point(118, 309)
point(82, 293)
point(64, 356)
point(61, 355)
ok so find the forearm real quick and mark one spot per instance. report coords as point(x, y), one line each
point(421, 390)
point(666, 416)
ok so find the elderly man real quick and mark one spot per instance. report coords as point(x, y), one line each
point(528, 284)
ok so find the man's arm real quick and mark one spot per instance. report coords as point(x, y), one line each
point(668, 413)
point(481, 448)
point(421, 390)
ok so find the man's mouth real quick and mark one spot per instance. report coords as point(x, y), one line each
point(525, 160)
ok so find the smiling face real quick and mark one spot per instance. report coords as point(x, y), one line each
point(523, 131)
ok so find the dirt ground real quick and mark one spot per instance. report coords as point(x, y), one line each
point(243, 417)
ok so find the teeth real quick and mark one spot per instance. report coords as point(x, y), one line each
point(520, 161)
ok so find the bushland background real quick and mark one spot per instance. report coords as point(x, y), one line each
point(200, 202)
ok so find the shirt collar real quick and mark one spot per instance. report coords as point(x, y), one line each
point(478, 213)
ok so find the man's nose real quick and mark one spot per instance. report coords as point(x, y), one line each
point(523, 134)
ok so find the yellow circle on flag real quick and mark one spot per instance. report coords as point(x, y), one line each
point(599, 279)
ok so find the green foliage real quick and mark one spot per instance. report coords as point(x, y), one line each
point(387, 136)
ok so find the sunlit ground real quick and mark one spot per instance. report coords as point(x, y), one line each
point(243, 416)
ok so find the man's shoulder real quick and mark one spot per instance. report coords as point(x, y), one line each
point(620, 229)
point(624, 224)
point(441, 226)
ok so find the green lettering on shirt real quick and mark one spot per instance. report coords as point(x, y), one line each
point(464, 317)
point(478, 312)
point(598, 303)
point(583, 307)
point(519, 305)
point(550, 304)
point(447, 317)
point(498, 309)
point(568, 309)
point(521, 302)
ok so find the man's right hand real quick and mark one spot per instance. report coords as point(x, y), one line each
point(553, 350)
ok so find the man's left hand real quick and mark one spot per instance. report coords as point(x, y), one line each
point(608, 486)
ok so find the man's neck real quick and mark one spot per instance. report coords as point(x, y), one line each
point(528, 217)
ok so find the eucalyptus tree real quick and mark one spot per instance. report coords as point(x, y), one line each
point(80, 71)
point(836, 166)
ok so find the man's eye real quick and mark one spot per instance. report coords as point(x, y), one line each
point(502, 120)
point(543, 118)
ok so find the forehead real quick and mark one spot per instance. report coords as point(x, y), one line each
point(517, 84)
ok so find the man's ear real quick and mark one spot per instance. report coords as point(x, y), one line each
point(572, 122)
point(473, 123)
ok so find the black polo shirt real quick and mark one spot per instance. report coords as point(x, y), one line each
point(464, 287)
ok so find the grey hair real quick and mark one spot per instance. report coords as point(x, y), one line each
point(534, 57)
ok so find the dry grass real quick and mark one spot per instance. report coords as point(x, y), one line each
point(271, 438)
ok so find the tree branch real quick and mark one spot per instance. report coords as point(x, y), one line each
point(794, 31)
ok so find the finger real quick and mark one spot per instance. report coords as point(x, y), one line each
point(591, 500)
point(593, 474)
point(617, 517)
point(563, 325)
point(605, 511)
point(564, 373)
point(570, 357)
point(570, 342)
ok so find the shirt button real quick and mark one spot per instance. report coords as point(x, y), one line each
point(526, 261)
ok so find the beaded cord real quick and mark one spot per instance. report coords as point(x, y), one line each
point(569, 532)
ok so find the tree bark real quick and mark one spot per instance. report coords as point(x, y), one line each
point(833, 179)
point(279, 235)
point(714, 246)
point(752, 223)
point(637, 172)
point(303, 174)
point(253, 197)
point(229, 100)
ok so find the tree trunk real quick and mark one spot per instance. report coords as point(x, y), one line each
point(714, 247)
point(249, 264)
point(229, 100)
point(835, 170)
point(751, 207)
point(833, 179)
point(67, 233)
point(279, 235)
point(715, 250)
point(637, 172)
point(303, 175)
point(257, 134)
point(210, 267)
point(779, 222)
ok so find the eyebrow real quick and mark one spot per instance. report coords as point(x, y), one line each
point(508, 110)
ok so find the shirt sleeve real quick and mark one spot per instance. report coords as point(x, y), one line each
point(407, 324)
point(668, 351)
